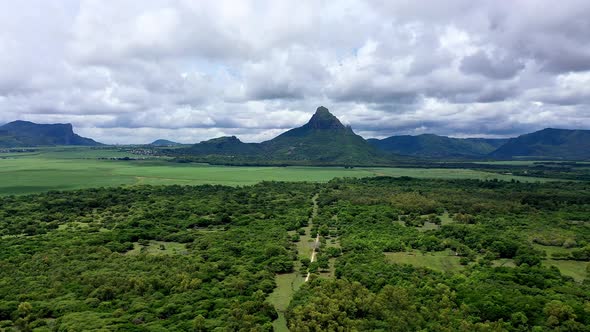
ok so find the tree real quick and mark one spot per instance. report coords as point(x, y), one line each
point(323, 262)
point(313, 267)
point(199, 324)
point(305, 262)
point(558, 313)
point(24, 313)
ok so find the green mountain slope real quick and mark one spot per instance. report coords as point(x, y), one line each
point(224, 146)
point(164, 142)
point(434, 146)
point(323, 139)
point(548, 143)
point(24, 133)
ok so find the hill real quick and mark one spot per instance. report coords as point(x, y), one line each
point(434, 146)
point(548, 143)
point(323, 140)
point(25, 133)
point(224, 146)
point(164, 142)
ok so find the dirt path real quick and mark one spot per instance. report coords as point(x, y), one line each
point(289, 283)
point(316, 243)
point(313, 253)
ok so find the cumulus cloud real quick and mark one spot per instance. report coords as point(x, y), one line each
point(134, 71)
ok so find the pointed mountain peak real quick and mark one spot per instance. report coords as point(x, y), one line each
point(322, 109)
point(323, 119)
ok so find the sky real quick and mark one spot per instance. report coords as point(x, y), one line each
point(132, 71)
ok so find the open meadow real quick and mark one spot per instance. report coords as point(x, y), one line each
point(48, 169)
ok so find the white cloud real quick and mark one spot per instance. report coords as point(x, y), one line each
point(191, 70)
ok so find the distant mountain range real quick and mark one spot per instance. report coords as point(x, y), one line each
point(548, 143)
point(324, 140)
point(434, 146)
point(26, 134)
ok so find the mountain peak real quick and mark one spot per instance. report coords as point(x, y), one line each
point(323, 119)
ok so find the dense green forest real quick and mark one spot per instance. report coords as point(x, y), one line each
point(492, 222)
point(406, 254)
point(204, 257)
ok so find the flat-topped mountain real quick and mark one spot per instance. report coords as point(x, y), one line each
point(548, 143)
point(226, 146)
point(164, 142)
point(25, 133)
point(434, 146)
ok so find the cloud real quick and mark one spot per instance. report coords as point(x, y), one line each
point(137, 70)
point(498, 68)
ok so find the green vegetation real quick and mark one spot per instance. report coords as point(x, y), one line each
point(164, 142)
point(452, 173)
point(66, 168)
point(445, 261)
point(323, 141)
point(395, 253)
point(575, 269)
point(479, 271)
point(287, 285)
point(547, 144)
point(434, 146)
point(158, 248)
point(150, 258)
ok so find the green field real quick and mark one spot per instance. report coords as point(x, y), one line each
point(575, 269)
point(443, 261)
point(75, 168)
point(287, 285)
point(523, 162)
point(158, 248)
point(550, 250)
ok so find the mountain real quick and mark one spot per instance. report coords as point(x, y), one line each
point(548, 143)
point(323, 140)
point(164, 142)
point(225, 146)
point(434, 146)
point(24, 133)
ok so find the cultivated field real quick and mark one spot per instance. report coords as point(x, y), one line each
point(76, 168)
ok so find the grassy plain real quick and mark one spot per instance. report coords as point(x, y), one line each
point(158, 248)
point(443, 261)
point(575, 269)
point(287, 285)
point(75, 168)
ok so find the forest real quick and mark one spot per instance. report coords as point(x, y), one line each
point(395, 254)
